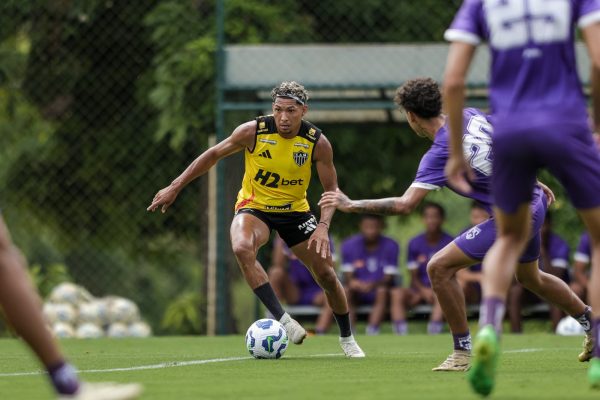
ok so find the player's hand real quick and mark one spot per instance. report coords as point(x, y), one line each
point(336, 199)
point(548, 192)
point(165, 197)
point(320, 237)
point(459, 173)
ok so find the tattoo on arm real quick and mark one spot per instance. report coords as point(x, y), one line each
point(379, 206)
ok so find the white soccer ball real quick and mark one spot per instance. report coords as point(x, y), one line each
point(123, 310)
point(266, 338)
point(568, 326)
point(91, 312)
point(64, 312)
point(89, 330)
point(66, 292)
point(49, 312)
point(62, 330)
point(139, 329)
point(117, 330)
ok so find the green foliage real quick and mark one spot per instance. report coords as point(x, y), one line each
point(46, 278)
point(183, 315)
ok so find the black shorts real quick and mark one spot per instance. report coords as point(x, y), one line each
point(293, 227)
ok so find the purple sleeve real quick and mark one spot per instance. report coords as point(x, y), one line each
point(559, 255)
point(347, 257)
point(588, 12)
point(412, 255)
point(468, 23)
point(430, 174)
point(583, 252)
point(390, 258)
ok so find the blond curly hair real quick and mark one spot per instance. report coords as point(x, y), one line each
point(292, 90)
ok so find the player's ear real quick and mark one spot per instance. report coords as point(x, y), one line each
point(410, 116)
point(304, 110)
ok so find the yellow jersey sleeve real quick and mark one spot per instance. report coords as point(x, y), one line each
point(278, 170)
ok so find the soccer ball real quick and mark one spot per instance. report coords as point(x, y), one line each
point(62, 330)
point(90, 312)
point(117, 330)
point(139, 329)
point(66, 292)
point(568, 326)
point(266, 338)
point(89, 330)
point(122, 310)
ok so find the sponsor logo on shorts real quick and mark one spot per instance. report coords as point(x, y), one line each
point(308, 226)
point(472, 233)
point(284, 207)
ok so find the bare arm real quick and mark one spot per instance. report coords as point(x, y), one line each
point(389, 206)
point(457, 65)
point(591, 35)
point(241, 138)
point(323, 157)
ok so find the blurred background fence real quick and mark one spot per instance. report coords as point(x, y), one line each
point(103, 102)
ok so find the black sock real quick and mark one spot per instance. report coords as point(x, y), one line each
point(343, 321)
point(267, 296)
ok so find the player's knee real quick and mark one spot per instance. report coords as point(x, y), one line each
point(437, 271)
point(243, 251)
point(326, 278)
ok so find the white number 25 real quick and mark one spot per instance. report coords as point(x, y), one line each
point(516, 23)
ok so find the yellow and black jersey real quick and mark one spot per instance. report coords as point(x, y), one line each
point(278, 170)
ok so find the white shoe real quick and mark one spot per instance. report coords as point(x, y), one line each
point(458, 361)
point(105, 391)
point(296, 333)
point(351, 348)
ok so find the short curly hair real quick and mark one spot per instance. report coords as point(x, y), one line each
point(292, 90)
point(421, 96)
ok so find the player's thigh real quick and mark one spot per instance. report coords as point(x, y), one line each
point(528, 273)
point(591, 219)
point(317, 265)
point(249, 231)
point(515, 225)
point(455, 256)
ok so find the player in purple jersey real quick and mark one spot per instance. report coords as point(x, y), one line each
point(582, 258)
point(421, 99)
point(420, 250)
point(293, 283)
point(540, 121)
point(21, 305)
point(370, 267)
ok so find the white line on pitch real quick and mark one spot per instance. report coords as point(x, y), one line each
point(169, 364)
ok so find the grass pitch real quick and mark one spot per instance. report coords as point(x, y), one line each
point(533, 366)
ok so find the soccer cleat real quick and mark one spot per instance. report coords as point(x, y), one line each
point(105, 391)
point(594, 373)
point(296, 333)
point(486, 350)
point(351, 348)
point(458, 361)
point(588, 348)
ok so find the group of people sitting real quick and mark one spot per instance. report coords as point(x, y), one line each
point(370, 265)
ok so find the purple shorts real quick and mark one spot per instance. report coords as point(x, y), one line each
point(476, 242)
point(525, 144)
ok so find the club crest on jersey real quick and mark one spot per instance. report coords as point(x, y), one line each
point(300, 157)
point(472, 233)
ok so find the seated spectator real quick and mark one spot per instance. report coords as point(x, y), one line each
point(293, 283)
point(470, 278)
point(554, 259)
point(420, 250)
point(370, 267)
point(581, 267)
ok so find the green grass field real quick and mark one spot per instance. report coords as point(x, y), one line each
point(533, 366)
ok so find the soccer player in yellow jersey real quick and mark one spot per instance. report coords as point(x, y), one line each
point(279, 150)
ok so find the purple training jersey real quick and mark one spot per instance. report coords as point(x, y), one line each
point(420, 252)
point(370, 266)
point(584, 251)
point(558, 251)
point(477, 146)
point(533, 54)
